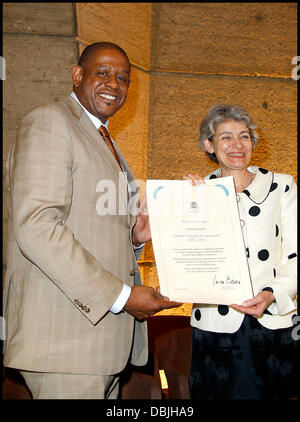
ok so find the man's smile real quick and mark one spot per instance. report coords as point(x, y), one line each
point(108, 96)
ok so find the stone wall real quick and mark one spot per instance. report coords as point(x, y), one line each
point(185, 56)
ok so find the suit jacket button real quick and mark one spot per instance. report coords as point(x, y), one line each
point(132, 272)
point(78, 303)
point(86, 309)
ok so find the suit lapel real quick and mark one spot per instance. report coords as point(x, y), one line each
point(94, 136)
point(133, 190)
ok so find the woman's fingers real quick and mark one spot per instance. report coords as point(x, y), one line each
point(194, 179)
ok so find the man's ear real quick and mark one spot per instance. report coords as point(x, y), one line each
point(77, 74)
point(208, 146)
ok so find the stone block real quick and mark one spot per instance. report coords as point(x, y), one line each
point(148, 254)
point(38, 18)
point(224, 38)
point(126, 24)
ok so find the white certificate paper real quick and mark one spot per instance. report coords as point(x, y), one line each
point(197, 241)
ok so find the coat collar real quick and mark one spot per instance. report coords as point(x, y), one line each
point(260, 188)
point(78, 114)
point(85, 123)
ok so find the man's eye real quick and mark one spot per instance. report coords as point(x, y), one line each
point(123, 78)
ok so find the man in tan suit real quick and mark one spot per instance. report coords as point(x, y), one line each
point(73, 301)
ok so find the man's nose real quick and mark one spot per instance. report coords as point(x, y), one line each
point(112, 81)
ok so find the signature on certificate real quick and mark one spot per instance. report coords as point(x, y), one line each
point(225, 281)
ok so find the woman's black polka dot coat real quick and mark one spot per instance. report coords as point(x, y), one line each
point(268, 208)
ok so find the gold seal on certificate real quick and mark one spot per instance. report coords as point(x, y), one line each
point(198, 242)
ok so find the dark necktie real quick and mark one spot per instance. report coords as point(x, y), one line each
point(104, 133)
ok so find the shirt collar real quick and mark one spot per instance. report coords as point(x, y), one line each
point(96, 122)
point(260, 188)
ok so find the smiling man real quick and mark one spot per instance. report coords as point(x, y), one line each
point(101, 80)
point(73, 300)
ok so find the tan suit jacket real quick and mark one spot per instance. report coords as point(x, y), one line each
point(66, 262)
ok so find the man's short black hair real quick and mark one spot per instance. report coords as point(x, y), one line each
point(92, 48)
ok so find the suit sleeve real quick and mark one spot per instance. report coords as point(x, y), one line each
point(284, 285)
point(41, 165)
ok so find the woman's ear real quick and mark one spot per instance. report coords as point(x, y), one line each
point(208, 146)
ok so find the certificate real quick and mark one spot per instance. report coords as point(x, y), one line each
point(197, 241)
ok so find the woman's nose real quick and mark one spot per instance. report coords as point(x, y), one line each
point(237, 142)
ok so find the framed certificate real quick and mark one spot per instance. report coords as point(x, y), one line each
point(197, 241)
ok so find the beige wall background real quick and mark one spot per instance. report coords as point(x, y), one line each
point(185, 56)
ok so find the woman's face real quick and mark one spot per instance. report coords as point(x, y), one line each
point(232, 145)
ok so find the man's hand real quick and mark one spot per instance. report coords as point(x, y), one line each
point(144, 302)
point(141, 232)
point(257, 305)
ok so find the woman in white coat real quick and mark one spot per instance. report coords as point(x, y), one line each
point(248, 352)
